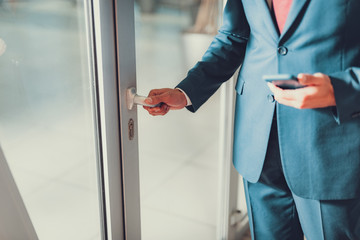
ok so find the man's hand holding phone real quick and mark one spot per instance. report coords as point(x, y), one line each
point(284, 81)
point(313, 91)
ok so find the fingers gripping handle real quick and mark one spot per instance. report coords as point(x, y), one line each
point(132, 98)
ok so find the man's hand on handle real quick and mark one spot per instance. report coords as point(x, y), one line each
point(168, 98)
point(318, 92)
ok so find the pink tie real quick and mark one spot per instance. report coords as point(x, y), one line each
point(281, 9)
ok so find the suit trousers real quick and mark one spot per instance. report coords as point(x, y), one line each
point(276, 213)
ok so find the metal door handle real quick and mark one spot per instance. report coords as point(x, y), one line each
point(132, 98)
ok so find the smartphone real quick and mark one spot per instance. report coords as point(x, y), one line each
point(284, 81)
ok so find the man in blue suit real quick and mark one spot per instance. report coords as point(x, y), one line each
point(298, 150)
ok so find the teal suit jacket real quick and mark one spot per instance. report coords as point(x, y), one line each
point(320, 148)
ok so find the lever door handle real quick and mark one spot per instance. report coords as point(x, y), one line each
point(132, 98)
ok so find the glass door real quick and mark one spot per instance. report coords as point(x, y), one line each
point(49, 129)
point(179, 152)
point(188, 189)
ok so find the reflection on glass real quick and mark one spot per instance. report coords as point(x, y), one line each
point(178, 152)
point(47, 128)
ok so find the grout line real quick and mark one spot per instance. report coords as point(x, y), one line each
point(50, 180)
point(174, 173)
point(181, 216)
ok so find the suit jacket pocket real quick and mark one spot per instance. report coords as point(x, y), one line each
point(240, 86)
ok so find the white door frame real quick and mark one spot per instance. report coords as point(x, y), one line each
point(115, 70)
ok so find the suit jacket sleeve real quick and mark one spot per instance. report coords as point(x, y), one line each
point(347, 94)
point(222, 58)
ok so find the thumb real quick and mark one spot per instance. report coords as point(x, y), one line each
point(308, 79)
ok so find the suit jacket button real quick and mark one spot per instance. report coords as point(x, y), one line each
point(270, 98)
point(282, 50)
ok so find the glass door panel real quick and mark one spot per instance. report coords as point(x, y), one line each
point(47, 115)
point(179, 153)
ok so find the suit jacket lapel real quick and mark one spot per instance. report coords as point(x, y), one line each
point(268, 20)
point(295, 10)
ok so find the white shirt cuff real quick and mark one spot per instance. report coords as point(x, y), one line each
point(188, 101)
